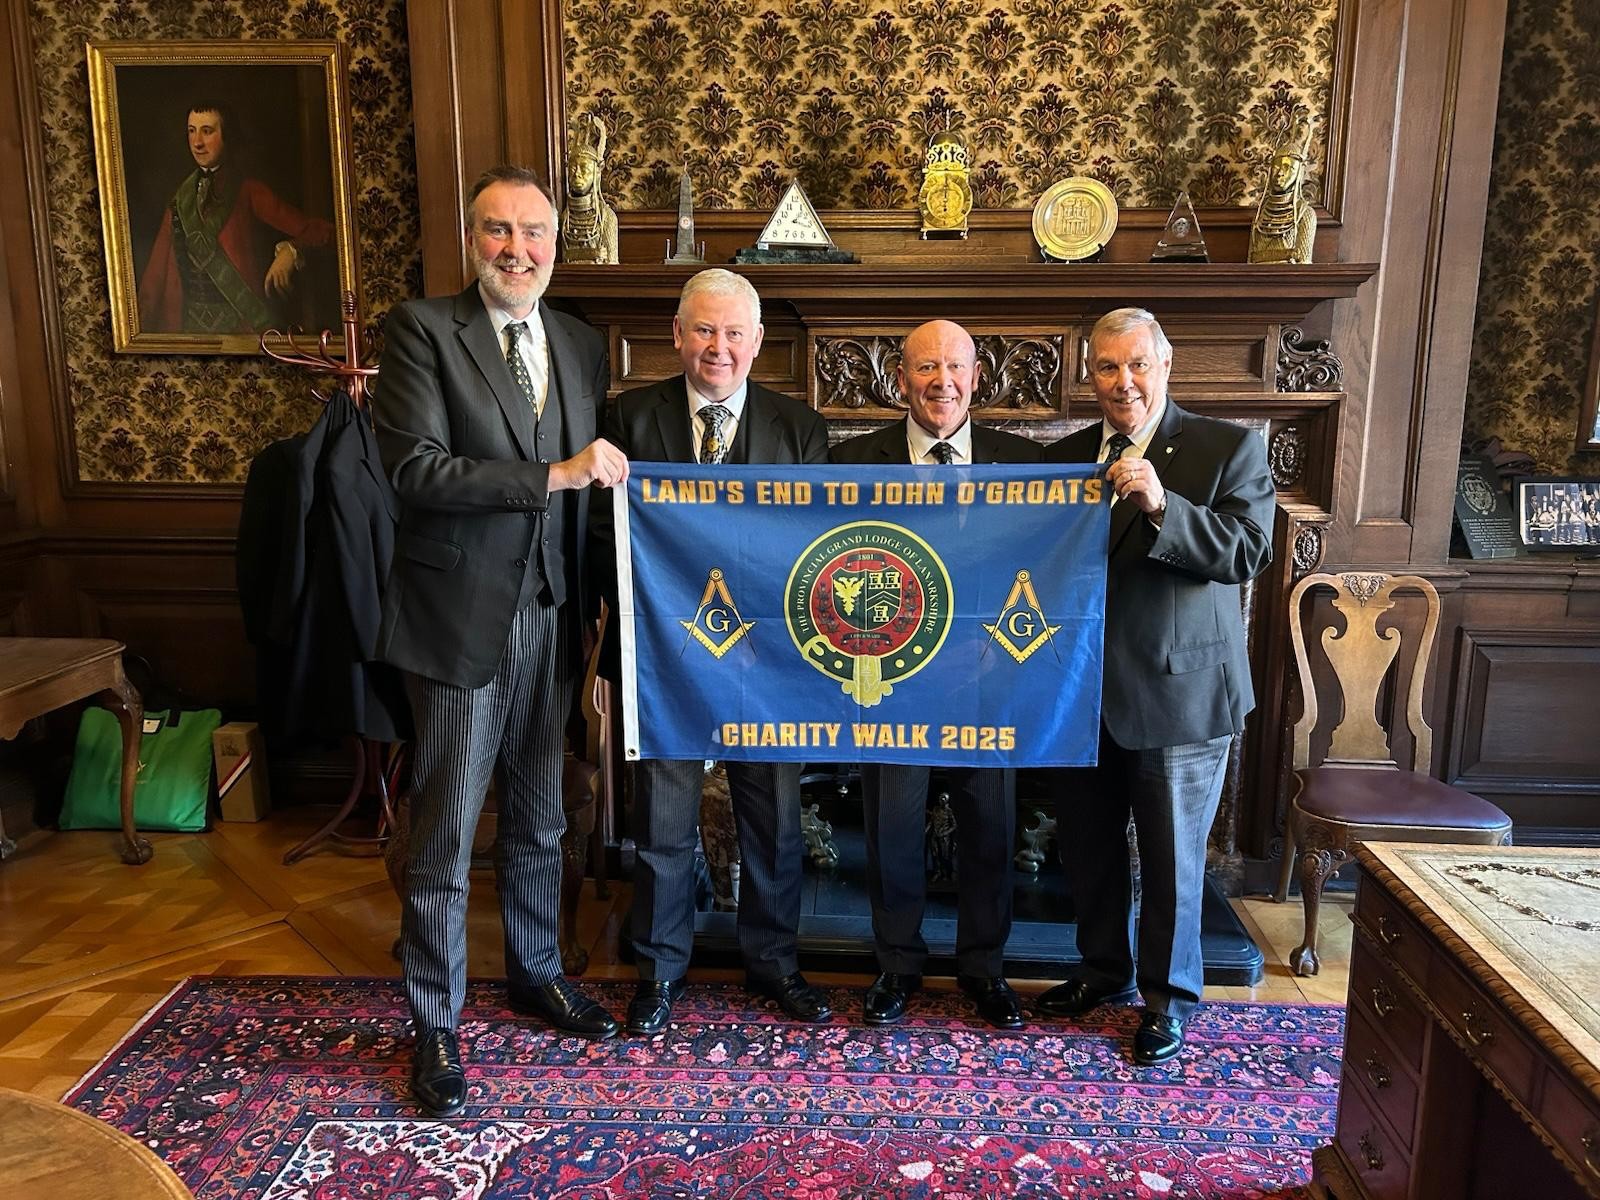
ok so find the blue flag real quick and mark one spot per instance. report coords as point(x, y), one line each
point(931, 615)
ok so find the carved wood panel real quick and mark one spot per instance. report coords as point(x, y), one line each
point(1020, 376)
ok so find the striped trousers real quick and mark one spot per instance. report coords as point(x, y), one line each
point(512, 730)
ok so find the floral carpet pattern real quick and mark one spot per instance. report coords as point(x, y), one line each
point(296, 1089)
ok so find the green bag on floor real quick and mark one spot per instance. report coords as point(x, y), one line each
point(174, 785)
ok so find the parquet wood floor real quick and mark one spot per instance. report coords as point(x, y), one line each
point(89, 945)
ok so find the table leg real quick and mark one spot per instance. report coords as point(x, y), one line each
point(124, 699)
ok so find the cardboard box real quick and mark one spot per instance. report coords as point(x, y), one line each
point(241, 771)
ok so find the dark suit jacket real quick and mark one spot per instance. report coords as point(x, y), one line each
point(889, 446)
point(456, 436)
point(1176, 665)
point(316, 536)
point(651, 424)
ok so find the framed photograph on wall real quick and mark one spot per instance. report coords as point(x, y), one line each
point(224, 190)
point(1559, 513)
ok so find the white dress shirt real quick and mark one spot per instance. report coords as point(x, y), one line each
point(920, 443)
point(1142, 438)
point(730, 424)
point(532, 344)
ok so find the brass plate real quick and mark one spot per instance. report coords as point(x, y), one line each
point(1074, 219)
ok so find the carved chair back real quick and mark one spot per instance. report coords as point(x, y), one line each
point(1361, 655)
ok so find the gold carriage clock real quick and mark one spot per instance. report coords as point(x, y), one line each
point(946, 196)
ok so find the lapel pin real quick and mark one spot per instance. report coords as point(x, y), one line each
point(1169, 449)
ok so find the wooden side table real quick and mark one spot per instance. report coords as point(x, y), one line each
point(39, 675)
point(48, 1149)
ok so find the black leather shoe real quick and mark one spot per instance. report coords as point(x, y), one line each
point(438, 1084)
point(564, 1006)
point(1158, 1038)
point(794, 995)
point(1075, 997)
point(651, 1006)
point(997, 1003)
point(888, 996)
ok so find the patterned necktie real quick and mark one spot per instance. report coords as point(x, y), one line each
point(945, 453)
point(712, 448)
point(1117, 447)
point(519, 368)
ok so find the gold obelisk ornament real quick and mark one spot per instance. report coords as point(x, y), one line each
point(946, 195)
point(1285, 227)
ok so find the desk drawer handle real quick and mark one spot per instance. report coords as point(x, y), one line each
point(1591, 1152)
point(1387, 932)
point(1371, 1153)
point(1377, 1072)
point(1383, 1002)
point(1477, 1033)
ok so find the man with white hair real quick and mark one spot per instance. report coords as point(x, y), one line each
point(1191, 521)
point(714, 413)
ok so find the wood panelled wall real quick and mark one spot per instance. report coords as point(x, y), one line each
point(1409, 174)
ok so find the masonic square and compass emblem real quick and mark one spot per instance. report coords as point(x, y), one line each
point(717, 624)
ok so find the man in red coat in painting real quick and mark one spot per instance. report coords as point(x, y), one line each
point(207, 271)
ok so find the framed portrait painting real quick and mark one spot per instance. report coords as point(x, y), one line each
point(224, 191)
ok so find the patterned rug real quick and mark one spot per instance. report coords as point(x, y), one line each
point(296, 1089)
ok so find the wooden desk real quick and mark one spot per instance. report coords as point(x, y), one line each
point(50, 1150)
point(1472, 1048)
point(38, 675)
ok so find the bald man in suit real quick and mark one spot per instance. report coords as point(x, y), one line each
point(937, 375)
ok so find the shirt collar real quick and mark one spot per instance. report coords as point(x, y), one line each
point(921, 442)
point(734, 403)
point(500, 318)
point(1142, 437)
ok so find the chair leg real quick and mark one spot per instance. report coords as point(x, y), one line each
point(574, 853)
point(578, 797)
point(1286, 867)
point(1317, 862)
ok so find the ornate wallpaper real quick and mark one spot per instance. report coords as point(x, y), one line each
point(189, 419)
point(1149, 96)
point(1541, 256)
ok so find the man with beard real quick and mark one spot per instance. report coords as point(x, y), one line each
point(486, 417)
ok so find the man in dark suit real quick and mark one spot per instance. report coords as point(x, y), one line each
point(486, 413)
point(937, 374)
point(1190, 522)
point(714, 413)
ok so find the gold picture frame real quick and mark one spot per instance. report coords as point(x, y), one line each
point(1589, 403)
point(224, 190)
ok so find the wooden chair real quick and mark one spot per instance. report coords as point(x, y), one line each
point(1359, 792)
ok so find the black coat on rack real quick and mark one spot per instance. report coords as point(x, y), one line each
point(316, 536)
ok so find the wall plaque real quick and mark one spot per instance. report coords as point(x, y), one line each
point(1483, 514)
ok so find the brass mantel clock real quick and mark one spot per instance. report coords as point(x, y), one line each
point(946, 196)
